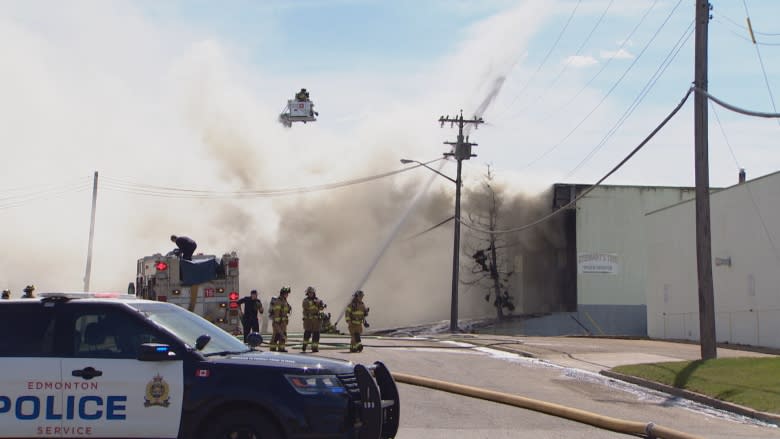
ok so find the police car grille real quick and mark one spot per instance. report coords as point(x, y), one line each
point(351, 384)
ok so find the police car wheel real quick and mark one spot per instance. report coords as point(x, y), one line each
point(243, 424)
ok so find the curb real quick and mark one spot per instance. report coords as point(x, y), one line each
point(770, 418)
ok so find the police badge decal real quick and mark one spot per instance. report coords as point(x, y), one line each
point(157, 393)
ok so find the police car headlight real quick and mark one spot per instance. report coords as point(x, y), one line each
point(314, 384)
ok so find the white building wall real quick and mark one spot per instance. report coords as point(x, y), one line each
point(746, 231)
point(611, 222)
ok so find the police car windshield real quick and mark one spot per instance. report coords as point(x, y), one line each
point(188, 327)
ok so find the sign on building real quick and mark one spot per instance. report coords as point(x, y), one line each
point(597, 263)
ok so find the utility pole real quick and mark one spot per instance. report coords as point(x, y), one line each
point(91, 233)
point(461, 151)
point(703, 225)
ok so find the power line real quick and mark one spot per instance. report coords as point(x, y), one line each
point(734, 23)
point(604, 98)
point(744, 38)
point(603, 66)
point(589, 189)
point(640, 97)
point(736, 109)
point(546, 56)
point(45, 192)
point(429, 229)
point(120, 185)
point(761, 61)
point(568, 61)
point(747, 187)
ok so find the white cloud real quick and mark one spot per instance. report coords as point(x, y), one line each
point(581, 60)
point(618, 54)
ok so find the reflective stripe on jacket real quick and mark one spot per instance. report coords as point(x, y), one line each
point(355, 313)
point(280, 309)
point(312, 308)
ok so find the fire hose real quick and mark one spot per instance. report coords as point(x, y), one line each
point(649, 430)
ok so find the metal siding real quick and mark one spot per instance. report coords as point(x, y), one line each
point(611, 219)
point(747, 300)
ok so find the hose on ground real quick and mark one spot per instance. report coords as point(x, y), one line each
point(649, 430)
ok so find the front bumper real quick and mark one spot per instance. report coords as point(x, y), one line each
point(375, 402)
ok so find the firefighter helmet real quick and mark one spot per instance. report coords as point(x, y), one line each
point(358, 293)
point(284, 290)
point(310, 290)
point(29, 288)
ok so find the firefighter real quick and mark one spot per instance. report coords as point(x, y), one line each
point(280, 310)
point(312, 322)
point(28, 292)
point(252, 306)
point(185, 245)
point(355, 315)
point(6, 294)
point(302, 95)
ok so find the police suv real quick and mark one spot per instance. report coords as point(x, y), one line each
point(109, 365)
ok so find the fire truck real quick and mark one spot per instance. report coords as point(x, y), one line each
point(207, 285)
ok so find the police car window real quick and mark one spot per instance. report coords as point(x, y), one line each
point(28, 331)
point(109, 334)
point(189, 326)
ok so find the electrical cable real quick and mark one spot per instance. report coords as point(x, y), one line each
point(604, 65)
point(747, 186)
point(604, 98)
point(734, 23)
point(546, 56)
point(761, 61)
point(47, 191)
point(742, 37)
point(429, 229)
point(590, 188)
point(736, 109)
point(120, 185)
point(567, 63)
point(639, 98)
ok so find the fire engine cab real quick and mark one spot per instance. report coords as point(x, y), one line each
point(207, 285)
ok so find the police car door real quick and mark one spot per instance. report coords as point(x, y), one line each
point(114, 394)
point(30, 384)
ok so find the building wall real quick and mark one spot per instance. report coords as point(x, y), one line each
point(745, 234)
point(611, 224)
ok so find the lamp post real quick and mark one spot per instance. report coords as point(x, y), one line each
point(456, 245)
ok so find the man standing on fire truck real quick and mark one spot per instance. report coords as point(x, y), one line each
point(252, 306)
point(279, 312)
point(312, 323)
point(186, 246)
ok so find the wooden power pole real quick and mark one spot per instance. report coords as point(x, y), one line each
point(461, 151)
point(703, 226)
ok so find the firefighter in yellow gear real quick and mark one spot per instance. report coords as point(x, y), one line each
point(312, 319)
point(6, 294)
point(355, 315)
point(280, 310)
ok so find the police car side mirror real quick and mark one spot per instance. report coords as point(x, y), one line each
point(254, 339)
point(155, 352)
point(202, 341)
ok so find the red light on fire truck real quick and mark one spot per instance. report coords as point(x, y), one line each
point(161, 266)
point(233, 297)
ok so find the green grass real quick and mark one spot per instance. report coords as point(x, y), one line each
point(751, 382)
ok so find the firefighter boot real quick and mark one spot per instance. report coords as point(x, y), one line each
point(315, 346)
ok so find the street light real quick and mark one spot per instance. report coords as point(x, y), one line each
point(456, 245)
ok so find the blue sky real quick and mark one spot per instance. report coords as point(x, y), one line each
point(187, 94)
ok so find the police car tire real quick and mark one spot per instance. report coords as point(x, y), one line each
point(243, 423)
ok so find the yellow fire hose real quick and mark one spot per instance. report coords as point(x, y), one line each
point(619, 425)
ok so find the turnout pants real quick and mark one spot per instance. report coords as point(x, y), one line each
point(279, 337)
point(355, 330)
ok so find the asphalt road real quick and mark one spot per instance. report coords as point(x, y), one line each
point(563, 372)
